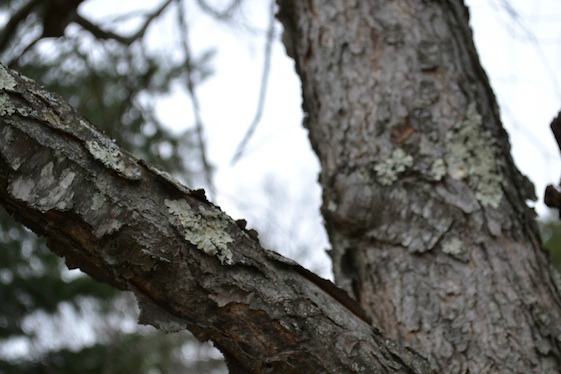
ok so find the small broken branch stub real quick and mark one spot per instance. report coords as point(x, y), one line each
point(552, 196)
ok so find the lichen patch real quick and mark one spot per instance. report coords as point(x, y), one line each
point(471, 154)
point(438, 169)
point(98, 200)
point(6, 107)
point(388, 170)
point(204, 229)
point(113, 158)
point(453, 247)
point(7, 82)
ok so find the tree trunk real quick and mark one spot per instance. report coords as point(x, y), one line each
point(425, 210)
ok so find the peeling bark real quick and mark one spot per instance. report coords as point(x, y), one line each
point(189, 264)
point(424, 207)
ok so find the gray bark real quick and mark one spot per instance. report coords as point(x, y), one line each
point(424, 207)
point(189, 264)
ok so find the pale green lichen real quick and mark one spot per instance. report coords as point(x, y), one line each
point(438, 169)
point(388, 170)
point(471, 155)
point(7, 82)
point(204, 229)
point(111, 156)
point(98, 200)
point(6, 107)
point(453, 247)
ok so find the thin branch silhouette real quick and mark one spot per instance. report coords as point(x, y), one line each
point(263, 89)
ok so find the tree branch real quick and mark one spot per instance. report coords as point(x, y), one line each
point(199, 124)
point(15, 19)
point(96, 31)
point(263, 90)
point(189, 264)
point(552, 197)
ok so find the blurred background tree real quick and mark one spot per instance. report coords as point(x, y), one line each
point(53, 320)
point(551, 234)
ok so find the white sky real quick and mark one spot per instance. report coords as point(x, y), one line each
point(520, 51)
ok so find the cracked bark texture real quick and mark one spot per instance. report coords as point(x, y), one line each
point(425, 210)
point(190, 265)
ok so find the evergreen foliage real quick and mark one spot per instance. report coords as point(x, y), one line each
point(91, 325)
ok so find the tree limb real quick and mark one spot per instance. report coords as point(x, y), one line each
point(99, 33)
point(190, 265)
point(263, 90)
point(552, 197)
point(21, 14)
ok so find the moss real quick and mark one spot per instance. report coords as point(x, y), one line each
point(471, 154)
point(388, 170)
point(204, 229)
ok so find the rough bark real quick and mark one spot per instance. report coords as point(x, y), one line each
point(425, 210)
point(189, 264)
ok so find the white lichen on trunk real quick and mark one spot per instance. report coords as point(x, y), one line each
point(204, 229)
point(438, 169)
point(453, 247)
point(388, 170)
point(471, 155)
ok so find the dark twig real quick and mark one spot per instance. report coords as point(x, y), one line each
point(151, 17)
point(199, 126)
point(56, 15)
point(556, 129)
point(96, 31)
point(552, 197)
point(15, 19)
point(263, 90)
point(14, 62)
point(221, 15)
